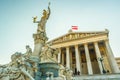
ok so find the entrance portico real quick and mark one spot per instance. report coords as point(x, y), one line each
point(81, 52)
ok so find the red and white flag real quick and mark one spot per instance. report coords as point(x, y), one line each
point(74, 27)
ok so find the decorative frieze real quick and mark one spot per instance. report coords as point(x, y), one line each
point(74, 36)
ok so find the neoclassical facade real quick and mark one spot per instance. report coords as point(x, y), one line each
point(86, 52)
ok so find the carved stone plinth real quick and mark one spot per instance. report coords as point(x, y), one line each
point(40, 38)
point(39, 41)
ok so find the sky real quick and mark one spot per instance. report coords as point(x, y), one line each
point(17, 28)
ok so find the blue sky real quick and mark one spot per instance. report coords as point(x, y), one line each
point(16, 27)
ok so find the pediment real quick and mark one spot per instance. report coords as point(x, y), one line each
point(77, 35)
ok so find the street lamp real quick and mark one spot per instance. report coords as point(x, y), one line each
point(101, 60)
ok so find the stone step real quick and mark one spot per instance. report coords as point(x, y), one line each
point(98, 77)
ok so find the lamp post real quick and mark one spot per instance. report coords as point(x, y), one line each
point(101, 60)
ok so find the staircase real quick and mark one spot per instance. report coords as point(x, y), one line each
point(98, 77)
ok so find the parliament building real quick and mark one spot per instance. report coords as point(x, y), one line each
point(86, 53)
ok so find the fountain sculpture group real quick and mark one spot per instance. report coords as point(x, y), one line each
point(41, 64)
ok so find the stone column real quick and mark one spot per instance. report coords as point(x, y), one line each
point(71, 59)
point(59, 56)
point(111, 58)
point(63, 59)
point(77, 58)
point(89, 66)
point(98, 55)
point(67, 58)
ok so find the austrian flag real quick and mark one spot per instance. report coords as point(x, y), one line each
point(74, 27)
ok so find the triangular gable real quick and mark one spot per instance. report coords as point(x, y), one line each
point(77, 35)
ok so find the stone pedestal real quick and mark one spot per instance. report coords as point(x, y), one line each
point(39, 41)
